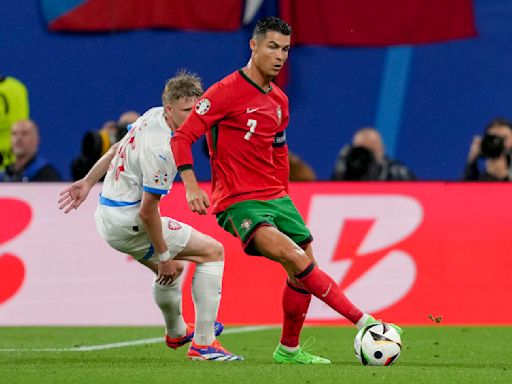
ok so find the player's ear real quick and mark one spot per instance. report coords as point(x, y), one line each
point(252, 44)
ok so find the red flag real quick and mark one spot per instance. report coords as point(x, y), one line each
point(370, 23)
point(113, 15)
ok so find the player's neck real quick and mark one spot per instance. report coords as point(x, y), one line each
point(22, 161)
point(257, 77)
point(170, 123)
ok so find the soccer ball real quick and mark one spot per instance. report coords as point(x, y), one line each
point(377, 344)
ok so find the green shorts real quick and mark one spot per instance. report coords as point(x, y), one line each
point(243, 218)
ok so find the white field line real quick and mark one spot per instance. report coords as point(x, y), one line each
point(88, 348)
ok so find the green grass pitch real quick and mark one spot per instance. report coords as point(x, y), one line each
point(435, 354)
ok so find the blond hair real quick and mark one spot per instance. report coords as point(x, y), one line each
point(183, 84)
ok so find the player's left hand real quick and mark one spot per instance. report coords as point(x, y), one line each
point(73, 196)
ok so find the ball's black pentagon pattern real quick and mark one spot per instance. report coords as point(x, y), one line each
point(377, 344)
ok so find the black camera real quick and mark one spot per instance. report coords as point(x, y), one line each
point(94, 145)
point(360, 163)
point(492, 146)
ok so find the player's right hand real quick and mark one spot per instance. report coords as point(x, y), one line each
point(74, 195)
point(198, 200)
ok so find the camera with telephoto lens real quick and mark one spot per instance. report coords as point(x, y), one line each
point(360, 163)
point(94, 145)
point(492, 146)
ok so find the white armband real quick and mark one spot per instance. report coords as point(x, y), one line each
point(163, 257)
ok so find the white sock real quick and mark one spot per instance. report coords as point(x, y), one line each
point(168, 299)
point(206, 292)
point(362, 321)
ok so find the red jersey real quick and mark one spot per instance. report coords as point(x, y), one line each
point(246, 139)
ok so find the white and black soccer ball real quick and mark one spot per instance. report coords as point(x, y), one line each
point(377, 344)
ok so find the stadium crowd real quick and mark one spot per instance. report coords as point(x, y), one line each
point(364, 159)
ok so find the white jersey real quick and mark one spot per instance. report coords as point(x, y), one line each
point(143, 162)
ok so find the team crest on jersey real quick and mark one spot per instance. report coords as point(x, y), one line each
point(161, 177)
point(246, 224)
point(279, 113)
point(202, 106)
point(173, 225)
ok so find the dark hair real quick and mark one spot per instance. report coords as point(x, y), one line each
point(498, 122)
point(271, 23)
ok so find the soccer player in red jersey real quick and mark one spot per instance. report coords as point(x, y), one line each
point(244, 117)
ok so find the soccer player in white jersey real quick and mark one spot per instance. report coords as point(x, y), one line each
point(140, 169)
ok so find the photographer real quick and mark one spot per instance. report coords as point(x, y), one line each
point(96, 143)
point(365, 160)
point(495, 147)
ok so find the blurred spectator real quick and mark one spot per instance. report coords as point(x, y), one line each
point(495, 147)
point(128, 117)
point(13, 107)
point(299, 169)
point(96, 143)
point(28, 166)
point(365, 159)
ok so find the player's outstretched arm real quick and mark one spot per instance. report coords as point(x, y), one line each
point(74, 195)
point(197, 198)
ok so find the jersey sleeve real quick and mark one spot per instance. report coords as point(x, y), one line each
point(157, 170)
point(208, 111)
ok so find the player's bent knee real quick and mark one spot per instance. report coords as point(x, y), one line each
point(217, 251)
point(294, 260)
point(179, 267)
point(214, 251)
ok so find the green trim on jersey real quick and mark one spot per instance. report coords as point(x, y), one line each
point(215, 137)
point(253, 83)
point(243, 218)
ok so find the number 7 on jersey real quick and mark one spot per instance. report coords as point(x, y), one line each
point(251, 123)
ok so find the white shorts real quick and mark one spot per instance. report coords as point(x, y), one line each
point(134, 240)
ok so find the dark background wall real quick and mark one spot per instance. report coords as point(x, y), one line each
point(76, 82)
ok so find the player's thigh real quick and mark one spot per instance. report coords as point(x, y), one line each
point(201, 248)
point(275, 245)
point(138, 244)
point(272, 243)
point(244, 218)
point(289, 221)
point(131, 242)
